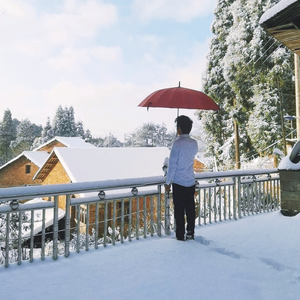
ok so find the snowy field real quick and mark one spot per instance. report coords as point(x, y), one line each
point(256, 257)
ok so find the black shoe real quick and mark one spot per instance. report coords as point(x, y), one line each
point(189, 236)
point(180, 238)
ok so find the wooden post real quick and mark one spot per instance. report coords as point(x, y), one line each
point(297, 94)
point(237, 145)
point(282, 123)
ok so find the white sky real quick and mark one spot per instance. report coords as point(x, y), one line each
point(101, 57)
point(256, 257)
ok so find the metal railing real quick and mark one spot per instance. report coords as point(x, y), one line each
point(90, 214)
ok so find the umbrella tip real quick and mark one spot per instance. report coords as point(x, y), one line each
point(179, 84)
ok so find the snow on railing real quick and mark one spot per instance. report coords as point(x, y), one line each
point(76, 216)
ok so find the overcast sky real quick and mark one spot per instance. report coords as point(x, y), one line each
point(101, 57)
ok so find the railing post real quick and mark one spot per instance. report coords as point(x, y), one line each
point(145, 217)
point(167, 213)
point(78, 228)
point(55, 227)
point(209, 204)
point(130, 219)
point(43, 235)
point(278, 194)
point(7, 241)
point(137, 224)
point(31, 235)
point(87, 227)
point(96, 224)
point(105, 222)
point(234, 204)
point(151, 218)
point(159, 211)
point(67, 226)
point(122, 221)
point(114, 223)
point(239, 196)
point(20, 239)
point(204, 204)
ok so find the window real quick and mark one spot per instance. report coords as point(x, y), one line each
point(27, 169)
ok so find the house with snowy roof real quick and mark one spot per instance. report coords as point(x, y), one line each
point(62, 141)
point(21, 169)
point(69, 165)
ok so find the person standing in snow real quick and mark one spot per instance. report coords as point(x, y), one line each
point(181, 176)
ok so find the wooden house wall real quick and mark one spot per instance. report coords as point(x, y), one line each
point(198, 166)
point(14, 174)
point(49, 147)
point(58, 175)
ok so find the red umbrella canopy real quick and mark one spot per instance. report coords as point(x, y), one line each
point(179, 97)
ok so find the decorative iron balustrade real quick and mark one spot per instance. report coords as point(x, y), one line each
point(90, 214)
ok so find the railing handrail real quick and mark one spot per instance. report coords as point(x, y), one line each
point(96, 186)
point(77, 188)
point(235, 173)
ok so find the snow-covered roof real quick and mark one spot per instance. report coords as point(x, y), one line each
point(71, 142)
point(95, 164)
point(282, 21)
point(274, 10)
point(36, 157)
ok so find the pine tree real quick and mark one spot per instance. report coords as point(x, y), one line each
point(218, 125)
point(111, 141)
point(25, 137)
point(80, 130)
point(6, 136)
point(150, 135)
point(58, 122)
point(70, 129)
point(88, 136)
point(46, 135)
point(245, 68)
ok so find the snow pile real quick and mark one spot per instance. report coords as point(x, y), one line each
point(258, 163)
point(286, 164)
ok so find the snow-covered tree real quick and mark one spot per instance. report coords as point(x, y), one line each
point(80, 129)
point(150, 135)
point(244, 66)
point(46, 135)
point(58, 122)
point(25, 137)
point(64, 122)
point(6, 136)
point(218, 126)
point(111, 141)
point(70, 125)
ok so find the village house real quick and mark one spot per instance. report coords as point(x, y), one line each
point(62, 141)
point(20, 170)
point(69, 165)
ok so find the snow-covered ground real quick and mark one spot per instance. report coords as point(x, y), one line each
point(256, 257)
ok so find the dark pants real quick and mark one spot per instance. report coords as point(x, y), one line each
point(183, 198)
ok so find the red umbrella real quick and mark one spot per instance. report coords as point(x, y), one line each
point(178, 97)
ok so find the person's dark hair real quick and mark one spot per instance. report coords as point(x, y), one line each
point(185, 123)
